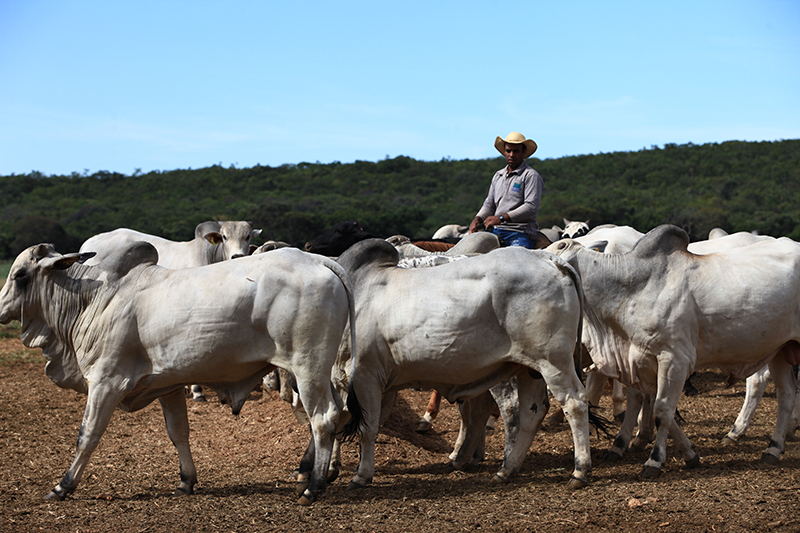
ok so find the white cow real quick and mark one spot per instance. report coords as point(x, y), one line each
point(574, 228)
point(621, 239)
point(613, 239)
point(451, 231)
point(655, 314)
point(480, 242)
point(610, 239)
point(213, 242)
point(127, 331)
point(461, 328)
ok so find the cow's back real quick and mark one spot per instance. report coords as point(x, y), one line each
point(171, 254)
point(468, 313)
point(748, 298)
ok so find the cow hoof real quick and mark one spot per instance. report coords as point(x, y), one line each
point(354, 486)
point(181, 491)
point(650, 472)
point(613, 457)
point(423, 426)
point(333, 474)
point(768, 459)
point(300, 487)
point(694, 462)
point(727, 441)
point(199, 399)
point(306, 499)
point(451, 467)
point(575, 483)
point(53, 495)
point(497, 479)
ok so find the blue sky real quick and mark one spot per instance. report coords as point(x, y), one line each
point(121, 85)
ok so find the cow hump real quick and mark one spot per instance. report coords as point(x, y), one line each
point(662, 240)
point(369, 252)
point(121, 261)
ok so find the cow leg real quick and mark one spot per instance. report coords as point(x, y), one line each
point(670, 387)
point(794, 421)
point(785, 391)
point(463, 415)
point(474, 414)
point(103, 398)
point(369, 392)
point(336, 461)
point(595, 383)
point(323, 414)
point(533, 403)
point(569, 392)
point(426, 422)
point(646, 421)
point(304, 472)
point(507, 399)
point(623, 438)
point(684, 445)
point(756, 384)
point(306, 468)
point(173, 406)
point(618, 399)
point(493, 418)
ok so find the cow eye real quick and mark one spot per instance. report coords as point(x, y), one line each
point(20, 277)
point(562, 245)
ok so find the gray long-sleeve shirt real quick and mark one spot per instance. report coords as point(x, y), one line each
point(517, 193)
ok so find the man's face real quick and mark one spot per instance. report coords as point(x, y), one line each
point(514, 155)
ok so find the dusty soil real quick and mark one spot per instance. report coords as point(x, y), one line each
point(245, 463)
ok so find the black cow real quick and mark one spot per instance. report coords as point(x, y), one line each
point(334, 241)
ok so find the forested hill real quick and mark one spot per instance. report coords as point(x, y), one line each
point(732, 185)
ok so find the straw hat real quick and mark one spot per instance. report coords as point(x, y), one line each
point(515, 138)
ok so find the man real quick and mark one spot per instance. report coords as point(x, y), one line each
point(512, 204)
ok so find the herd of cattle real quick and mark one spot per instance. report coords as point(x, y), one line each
point(354, 318)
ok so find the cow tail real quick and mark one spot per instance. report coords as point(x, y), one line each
point(354, 425)
point(600, 423)
point(576, 280)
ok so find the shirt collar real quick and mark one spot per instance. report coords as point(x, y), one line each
point(517, 171)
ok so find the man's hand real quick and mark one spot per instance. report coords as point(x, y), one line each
point(476, 225)
point(491, 221)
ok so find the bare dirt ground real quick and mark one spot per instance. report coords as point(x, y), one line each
point(245, 463)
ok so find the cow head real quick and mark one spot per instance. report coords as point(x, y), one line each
point(234, 238)
point(573, 229)
point(568, 247)
point(32, 263)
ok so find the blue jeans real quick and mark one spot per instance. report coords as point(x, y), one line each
point(513, 238)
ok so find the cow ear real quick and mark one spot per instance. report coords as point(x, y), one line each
point(598, 246)
point(85, 256)
point(255, 232)
point(214, 237)
point(65, 261)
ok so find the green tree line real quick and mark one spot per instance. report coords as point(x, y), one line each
point(738, 186)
